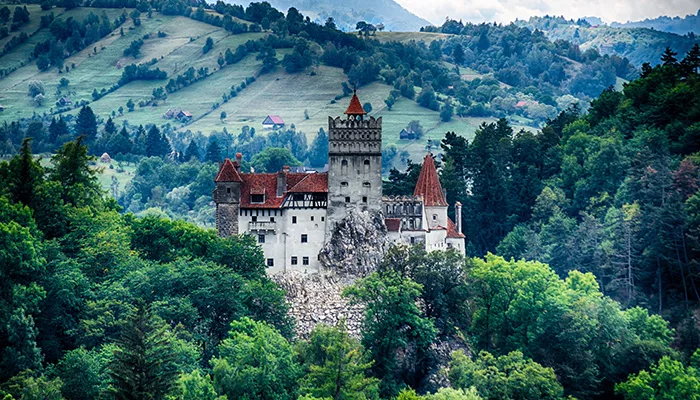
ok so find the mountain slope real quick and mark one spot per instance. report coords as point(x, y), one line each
point(678, 25)
point(639, 45)
point(347, 13)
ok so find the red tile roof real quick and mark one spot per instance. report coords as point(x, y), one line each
point(267, 184)
point(428, 185)
point(392, 224)
point(355, 107)
point(452, 230)
point(228, 173)
point(275, 119)
point(311, 183)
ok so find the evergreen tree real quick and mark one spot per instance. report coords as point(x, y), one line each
point(24, 175)
point(213, 154)
point(120, 143)
point(458, 54)
point(192, 151)
point(144, 365)
point(58, 129)
point(318, 153)
point(157, 144)
point(669, 57)
point(22, 352)
point(110, 127)
point(86, 124)
point(71, 168)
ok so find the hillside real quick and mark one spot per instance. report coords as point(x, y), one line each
point(637, 43)
point(677, 25)
point(347, 13)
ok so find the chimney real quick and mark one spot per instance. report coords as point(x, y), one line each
point(239, 160)
point(282, 181)
point(458, 216)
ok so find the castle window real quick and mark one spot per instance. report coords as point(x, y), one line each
point(434, 217)
point(366, 184)
point(305, 260)
point(323, 219)
point(304, 238)
point(343, 184)
point(344, 167)
point(261, 238)
point(270, 262)
point(366, 166)
point(413, 240)
point(364, 199)
point(228, 190)
point(257, 198)
point(272, 219)
point(294, 219)
point(347, 199)
point(312, 217)
point(254, 218)
point(294, 260)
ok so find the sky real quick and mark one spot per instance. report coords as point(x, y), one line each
point(505, 11)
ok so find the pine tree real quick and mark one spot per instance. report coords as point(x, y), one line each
point(213, 153)
point(72, 170)
point(318, 153)
point(157, 144)
point(86, 124)
point(458, 54)
point(144, 365)
point(24, 175)
point(192, 151)
point(57, 129)
point(110, 127)
point(691, 62)
point(22, 352)
point(669, 57)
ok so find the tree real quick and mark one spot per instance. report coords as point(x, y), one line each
point(196, 386)
point(24, 175)
point(318, 152)
point(220, 60)
point(208, 45)
point(58, 129)
point(110, 127)
point(669, 379)
point(71, 168)
point(192, 151)
point(458, 54)
point(272, 159)
point(22, 352)
point(130, 105)
point(509, 376)
point(367, 107)
point(213, 153)
point(337, 366)
point(447, 111)
point(35, 88)
point(223, 116)
point(669, 57)
point(157, 144)
point(86, 124)
point(84, 372)
point(393, 323)
point(144, 362)
point(255, 362)
point(427, 98)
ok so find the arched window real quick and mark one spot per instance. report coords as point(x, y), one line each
point(366, 184)
point(366, 166)
point(344, 167)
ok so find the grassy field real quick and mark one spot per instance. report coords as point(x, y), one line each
point(426, 37)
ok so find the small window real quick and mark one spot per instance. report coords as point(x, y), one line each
point(254, 218)
point(364, 199)
point(228, 190)
point(312, 217)
point(270, 262)
point(261, 238)
point(257, 198)
point(434, 217)
point(366, 184)
point(323, 219)
point(344, 184)
point(366, 166)
point(304, 238)
point(347, 199)
point(272, 219)
point(294, 260)
point(294, 219)
point(413, 240)
point(305, 260)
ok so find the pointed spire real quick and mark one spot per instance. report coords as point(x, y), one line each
point(355, 107)
point(228, 173)
point(428, 185)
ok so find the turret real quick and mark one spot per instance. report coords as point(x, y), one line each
point(227, 196)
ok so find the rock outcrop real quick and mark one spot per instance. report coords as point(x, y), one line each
point(357, 245)
point(316, 299)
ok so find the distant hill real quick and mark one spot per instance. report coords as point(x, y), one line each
point(678, 25)
point(347, 13)
point(639, 45)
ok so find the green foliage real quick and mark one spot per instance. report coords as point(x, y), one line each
point(273, 159)
point(509, 376)
point(196, 386)
point(84, 372)
point(336, 366)
point(255, 362)
point(144, 362)
point(393, 323)
point(668, 379)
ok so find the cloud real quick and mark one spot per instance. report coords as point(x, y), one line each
point(505, 11)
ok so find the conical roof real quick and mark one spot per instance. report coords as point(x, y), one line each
point(355, 107)
point(228, 173)
point(428, 185)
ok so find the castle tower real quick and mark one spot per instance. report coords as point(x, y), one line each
point(429, 188)
point(227, 196)
point(354, 163)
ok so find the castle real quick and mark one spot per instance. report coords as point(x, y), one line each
point(293, 214)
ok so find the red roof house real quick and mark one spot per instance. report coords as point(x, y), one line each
point(273, 121)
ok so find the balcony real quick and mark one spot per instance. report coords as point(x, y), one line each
point(262, 226)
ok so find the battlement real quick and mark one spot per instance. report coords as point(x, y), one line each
point(355, 122)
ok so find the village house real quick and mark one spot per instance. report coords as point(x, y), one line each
point(293, 214)
point(273, 122)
